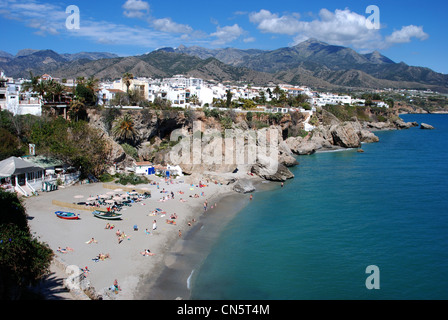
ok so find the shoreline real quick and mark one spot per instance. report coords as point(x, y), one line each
point(126, 263)
point(181, 266)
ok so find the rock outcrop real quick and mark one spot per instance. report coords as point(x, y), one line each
point(244, 186)
point(426, 126)
point(349, 134)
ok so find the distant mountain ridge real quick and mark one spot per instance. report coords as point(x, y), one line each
point(41, 60)
point(312, 63)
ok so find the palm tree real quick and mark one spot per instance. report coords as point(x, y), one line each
point(32, 84)
point(277, 91)
point(42, 88)
point(80, 80)
point(77, 109)
point(124, 128)
point(58, 89)
point(194, 100)
point(127, 80)
point(92, 83)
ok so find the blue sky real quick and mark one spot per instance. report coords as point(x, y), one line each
point(411, 31)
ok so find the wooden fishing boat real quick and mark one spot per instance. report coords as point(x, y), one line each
point(67, 215)
point(107, 215)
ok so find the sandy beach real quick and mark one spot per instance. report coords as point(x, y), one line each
point(136, 274)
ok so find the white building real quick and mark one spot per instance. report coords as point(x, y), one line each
point(17, 102)
point(329, 98)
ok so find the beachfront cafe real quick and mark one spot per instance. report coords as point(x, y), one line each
point(18, 175)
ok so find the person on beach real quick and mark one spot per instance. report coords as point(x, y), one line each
point(154, 225)
point(180, 234)
point(115, 288)
point(147, 252)
point(250, 198)
point(92, 241)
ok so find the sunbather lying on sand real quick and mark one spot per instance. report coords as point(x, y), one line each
point(92, 241)
point(101, 257)
point(147, 252)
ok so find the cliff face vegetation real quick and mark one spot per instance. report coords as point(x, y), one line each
point(151, 136)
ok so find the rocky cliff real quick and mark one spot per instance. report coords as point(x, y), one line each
point(155, 141)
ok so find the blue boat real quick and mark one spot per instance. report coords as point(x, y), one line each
point(67, 215)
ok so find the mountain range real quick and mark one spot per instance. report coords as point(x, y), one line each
point(311, 63)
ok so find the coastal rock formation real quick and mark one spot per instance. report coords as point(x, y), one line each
point(426, 126)
point(400, 124)
point(243, 186)
point(301, 146)
point(349, 134)
point(345, 135)
point(282, 173)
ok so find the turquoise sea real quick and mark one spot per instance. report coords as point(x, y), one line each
point(344, 211)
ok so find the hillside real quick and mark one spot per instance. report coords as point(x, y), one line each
point(311, 63)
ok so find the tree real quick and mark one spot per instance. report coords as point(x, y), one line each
point(77, 110)
point(262, 97)
point(228, 98)
point(23, 259)
point(9, 145)
point(124, 129)
point(194, 100)
point(32, 84)
point(85, 94)
point(92, 83)
point(277, 91)
point(127, 80)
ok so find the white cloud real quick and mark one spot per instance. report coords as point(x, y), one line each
point(227, 34)
point(341, 27)
point(272, 23)
point(45, 18)
point(136, 8)
point(250, 39)
point(167, 25)
point(405, 34)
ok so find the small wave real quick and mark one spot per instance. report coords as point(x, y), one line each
point(189, 279)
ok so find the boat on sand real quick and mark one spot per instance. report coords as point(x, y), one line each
point(107, 215)
point(67, 215)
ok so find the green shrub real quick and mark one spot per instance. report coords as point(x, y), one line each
point(130, 150)
point(131, 178)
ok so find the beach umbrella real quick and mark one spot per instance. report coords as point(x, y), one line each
point(117, 198)
point(91, 198)
point(118, 190)
point(109, 201)
point(103, 196)
point(111, 192)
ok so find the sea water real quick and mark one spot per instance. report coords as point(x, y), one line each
point(344, 211)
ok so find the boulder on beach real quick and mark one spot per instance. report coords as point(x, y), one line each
point(426, 126)
point(243, 186)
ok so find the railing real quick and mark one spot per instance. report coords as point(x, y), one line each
point(19, 189)
point(33, 191)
